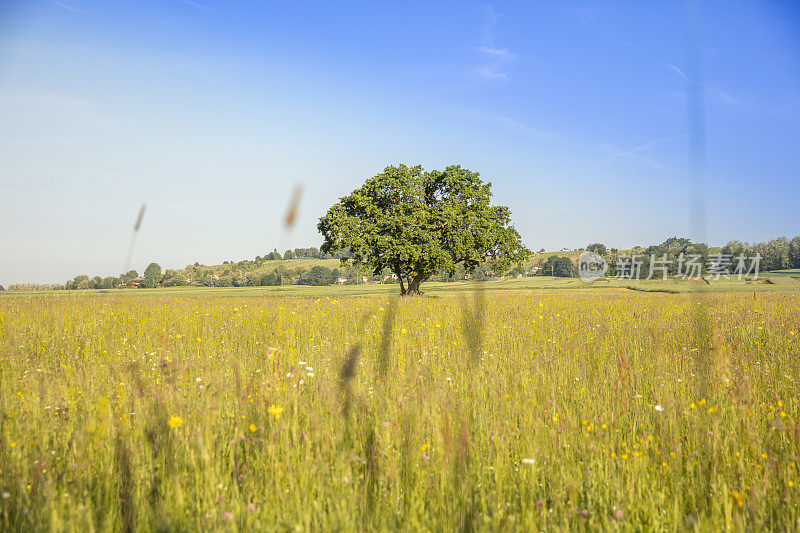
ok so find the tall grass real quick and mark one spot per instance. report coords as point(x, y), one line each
point(521, 411)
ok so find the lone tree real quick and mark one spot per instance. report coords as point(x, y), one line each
point(416, 223)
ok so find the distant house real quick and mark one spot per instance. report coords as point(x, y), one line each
point(564, 250)
point(341, 280)
point(135, 282)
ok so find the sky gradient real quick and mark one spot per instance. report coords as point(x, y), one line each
point(211, 112)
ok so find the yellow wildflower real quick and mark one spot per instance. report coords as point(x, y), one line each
point(252, 428)
point(175, 422)
point(275, 411)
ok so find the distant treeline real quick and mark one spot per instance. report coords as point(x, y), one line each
point(267, 270)
point(263, 271)
point(777, 254)
point(297, 253)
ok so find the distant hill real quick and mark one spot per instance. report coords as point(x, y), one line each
point(310, 266)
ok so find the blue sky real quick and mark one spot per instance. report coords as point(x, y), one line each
point(211, 112)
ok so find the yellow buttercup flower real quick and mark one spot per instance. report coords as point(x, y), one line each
point(252, 428)
point(275, 411)
point(175, 422)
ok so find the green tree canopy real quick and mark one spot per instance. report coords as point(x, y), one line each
point(794, 253)
point(416, 223)
point(598, 248)
point(152, 275)
point(561, 267)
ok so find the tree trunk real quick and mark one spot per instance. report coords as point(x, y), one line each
point(402, 287)
point(414, 283)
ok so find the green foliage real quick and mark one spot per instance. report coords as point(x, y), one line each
point(152, 275)
point(319, 275)
point(560, 267)
point(776, 254)
point(176, 280)
point(672, 249)
point(599, 249)
point(417, 223)
point(794, 253)
point(79, 283)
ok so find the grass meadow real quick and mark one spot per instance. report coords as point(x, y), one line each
point(528, 409)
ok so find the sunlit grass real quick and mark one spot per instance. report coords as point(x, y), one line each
point(573, 409)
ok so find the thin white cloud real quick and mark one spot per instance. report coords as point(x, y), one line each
point(500, 53)
point(496, 57)
point(490, 73)
point(46, 99)
point(68, 7)
point(775, 66)
point(725, 96)
point(678, 71)
point(502, 121)
point(583, 18)
point(636, 152)
point(197, 5)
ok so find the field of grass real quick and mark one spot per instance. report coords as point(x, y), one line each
point(329, 408)
point(781, 281)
